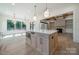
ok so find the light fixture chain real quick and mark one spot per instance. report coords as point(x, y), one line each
point(46, 5)
point(13, 11)
point(35, 10)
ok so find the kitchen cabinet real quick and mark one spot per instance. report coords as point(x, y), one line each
point(28, 38)
point(44, 42)
point(53, 43)
point(34, 39)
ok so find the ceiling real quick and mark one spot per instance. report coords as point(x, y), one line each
point(26, 10)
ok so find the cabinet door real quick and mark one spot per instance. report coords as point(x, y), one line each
point(43, 44)
point(34, 40)
point(45, 47)
point(53, 44)
point(39, 44)
point(56, 43)
point(28, 38)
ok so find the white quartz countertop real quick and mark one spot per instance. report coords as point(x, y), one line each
point(43, 31)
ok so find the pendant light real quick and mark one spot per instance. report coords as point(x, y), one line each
point(13, 5)
point(46, 12)
point(35, 17)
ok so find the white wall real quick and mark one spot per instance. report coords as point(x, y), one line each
point(76, 25)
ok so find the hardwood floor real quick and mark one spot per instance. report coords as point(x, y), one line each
point(16, 47)
point(66, 45)
point(20, 47)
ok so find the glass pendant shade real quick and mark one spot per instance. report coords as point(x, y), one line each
point(46, 13)
point(34, 18)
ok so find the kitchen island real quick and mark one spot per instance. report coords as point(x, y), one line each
point(44, 41)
